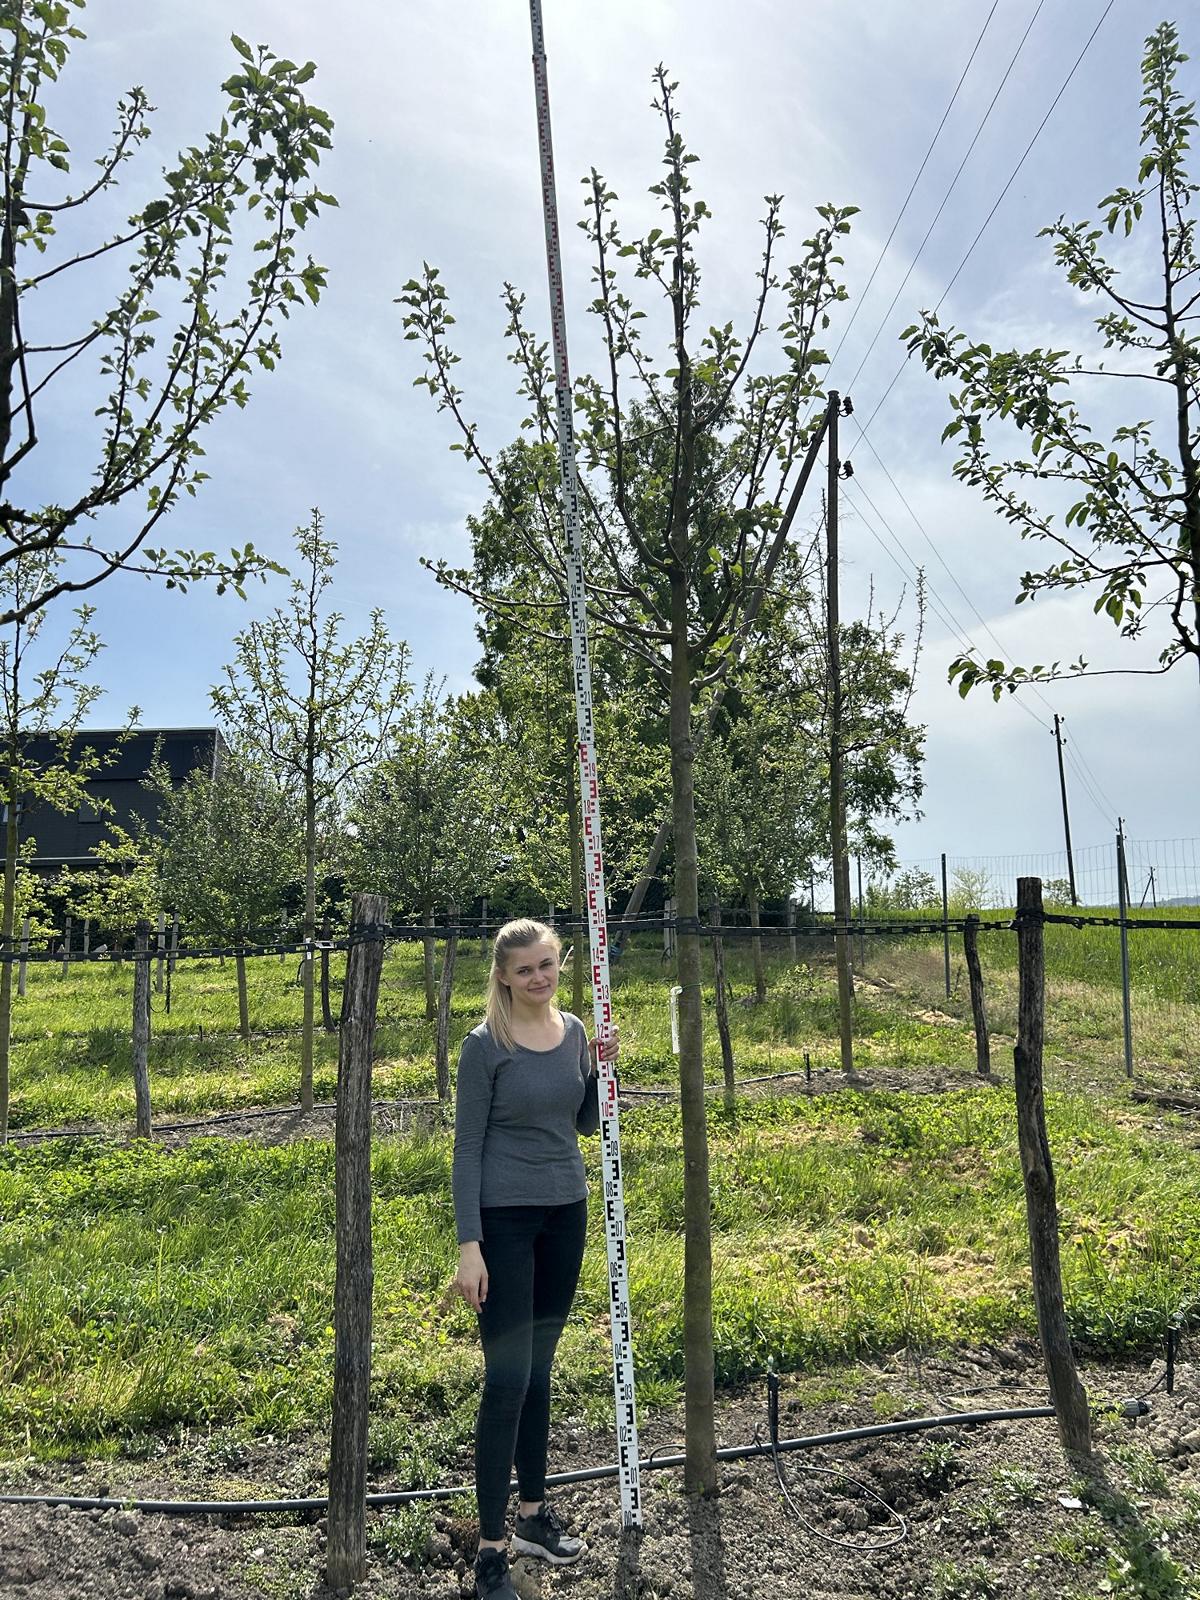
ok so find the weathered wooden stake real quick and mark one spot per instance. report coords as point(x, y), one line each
point(791, 922)
point(983, 1048)
point(718, 949)
point(66, 952)
point(87, 935)
point(346, 1561)
point(23, 966)
point(161, 945)
point(173, 954)
point(141, 1028)
point(1067, 1393)
point(946, 925)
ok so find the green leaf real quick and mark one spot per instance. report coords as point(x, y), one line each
point(242, 48)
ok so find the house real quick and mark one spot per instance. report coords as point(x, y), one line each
point(116, 793)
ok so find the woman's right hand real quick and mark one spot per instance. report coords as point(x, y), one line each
point(471, 1280)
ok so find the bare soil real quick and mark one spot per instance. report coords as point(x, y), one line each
point(987, 1511)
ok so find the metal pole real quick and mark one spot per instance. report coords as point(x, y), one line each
point(945, 925)
point(1123, 904)
point(1062, 784)
point(620, 1317)
point(837, 789)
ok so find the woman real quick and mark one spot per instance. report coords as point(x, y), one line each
point(526, 1088)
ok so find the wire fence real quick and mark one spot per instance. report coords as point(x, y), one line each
point(1160, 872)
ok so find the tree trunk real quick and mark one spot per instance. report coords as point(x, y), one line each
point(430, 947)
point(700, 1470)
point(141, 1028)
point(7, 925)
point(1067, 1394)
point(310, 929)
point(756, 945)
point(345, 1562)
point(718, 950)
point(581, 933)
point(983, 1053)
point(243, 996)
point(328, 1020)
point(445, 988)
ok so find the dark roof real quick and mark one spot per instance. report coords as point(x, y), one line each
point(126, 759)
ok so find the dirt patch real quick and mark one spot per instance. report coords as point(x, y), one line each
point(987, 1511)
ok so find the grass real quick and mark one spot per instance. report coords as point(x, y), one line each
point(71, 1049)
point(145, 1291)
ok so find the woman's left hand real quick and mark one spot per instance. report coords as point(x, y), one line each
point(609, 1051)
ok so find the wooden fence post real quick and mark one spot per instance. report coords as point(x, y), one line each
point(87, 936)
point(946, 925)
point(161, 943)
point(1067, 1393)
point(141, 1028)
point(23, 967)
point(983, 1048)
point(791, 922)
point(66, 949)
point(346, 1559)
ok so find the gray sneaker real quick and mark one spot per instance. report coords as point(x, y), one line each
point(544, 1536)
point(492, 1581)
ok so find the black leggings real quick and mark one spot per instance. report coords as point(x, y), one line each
point(532, 1254)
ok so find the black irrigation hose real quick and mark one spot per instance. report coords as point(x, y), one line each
point(653, 1462)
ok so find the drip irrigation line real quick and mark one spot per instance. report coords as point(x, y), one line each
point(653, 1462)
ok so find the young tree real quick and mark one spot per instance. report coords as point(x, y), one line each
point(315, 711)
point(529, 686)
point(172, 260)
point(760, 808)
point(1128, 526)
point(122, 889)
point(428, 827)
point(44, 696)
point(228, 846)
point(689, 487)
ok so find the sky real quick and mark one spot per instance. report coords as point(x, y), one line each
point(435, 159)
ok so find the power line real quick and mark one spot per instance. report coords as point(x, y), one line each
point(946, 197)
point(863, 427)
point(861, 301)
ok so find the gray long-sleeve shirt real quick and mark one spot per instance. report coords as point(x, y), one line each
point(517, 1114)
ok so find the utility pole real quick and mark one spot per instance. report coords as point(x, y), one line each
point(1062, 784)
point(837, 787)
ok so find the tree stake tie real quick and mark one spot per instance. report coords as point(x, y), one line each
point(610, 1136)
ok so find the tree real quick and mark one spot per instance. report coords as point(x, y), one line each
point(316, 712)
point(971, 889)
point(689, 488)
point(157, 392)
point(427, 828)
point(1128, 527)
point(529, 689)
point(228, 846)
point(764, 772)
point(44, 696)
point(121, 890)
point(760, 811)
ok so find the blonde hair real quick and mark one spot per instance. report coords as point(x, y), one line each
point(513, 936)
